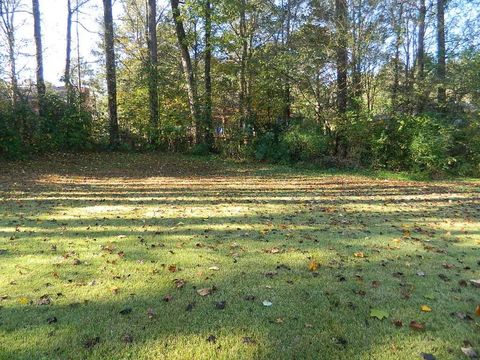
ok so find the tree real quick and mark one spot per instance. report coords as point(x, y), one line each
point(8, 10)
point(66, 75)
point(39, 56)
point(441, 53)
point(341, 18)
point(153, 71)
point(208, 122)
point(421, 52)
point(188, 71)
point(110, 72)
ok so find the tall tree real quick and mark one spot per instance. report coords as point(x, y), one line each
point(153, 69)
point(287, 101)
point(187, 70)
point(244, 97)
point(110, 72)
point(68, 54)
point(421, 50)
point(341, 19)
point(208, 122)
point(398, 30)
point(8, 10)
point(39, 56)
point(441, 53)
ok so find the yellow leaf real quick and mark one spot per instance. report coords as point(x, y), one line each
point(313, 266)
point(359, 254)
point(23, 301)
point(426, 308)
point(477, 310)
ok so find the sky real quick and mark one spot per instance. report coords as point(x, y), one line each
point(54, 24)
point(54, 19)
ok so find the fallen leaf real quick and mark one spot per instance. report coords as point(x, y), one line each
point(248, 340)
point(150, 313)
point(414, 325)
point(397, 323)
point(468, 351)
point(91, 342)
point(23, 301)
point(204, 291)
point(179, 283)
point(127, 338)
point(267, 303)
point(379, 314)
point(44, 300)
point(214, 268)
point(313, 265)
point(475, 283)
point(426, 308)
point(359, 254)
point(172, 268)
point(477, 310)
point(212, 339)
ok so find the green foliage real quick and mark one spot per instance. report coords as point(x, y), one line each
point(297, 143)
point(305, 143)
point(269, 148)
point(430, 147)
point(10, 140)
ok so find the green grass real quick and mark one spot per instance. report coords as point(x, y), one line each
point(128, 217)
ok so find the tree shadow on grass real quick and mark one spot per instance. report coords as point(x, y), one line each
point(263, 240)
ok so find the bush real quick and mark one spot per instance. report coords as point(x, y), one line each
point(305, 143)
point(299, 142)
point(430, 147)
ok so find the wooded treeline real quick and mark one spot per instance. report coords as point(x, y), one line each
point(387, 84)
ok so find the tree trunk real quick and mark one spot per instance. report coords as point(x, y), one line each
point(153, 69)
point(341, 13)
point(68, 55)
point(208, 78)
point(421, 53)
point(396, 69)
point(441, 52)
point(287, 100)
point(188, 71)
point(243, 65)
point(111, 72)
point(39, 56)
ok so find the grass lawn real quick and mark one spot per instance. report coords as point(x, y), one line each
point(103, 256)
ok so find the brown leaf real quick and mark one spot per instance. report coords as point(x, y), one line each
point(172, 268)
point(205, 291)
point(414, 325)
point(313, 265)
point(477, 310)
point(397, 323)
point(179, 283)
